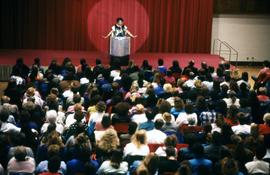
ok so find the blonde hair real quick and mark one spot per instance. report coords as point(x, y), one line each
point(198, 83)
point(266, 117)
point(235, 74)
point(139, 138)
point(168, 87)
point(140, 108)
point(167, 117)
point(109, 141)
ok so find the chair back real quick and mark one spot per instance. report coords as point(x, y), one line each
point(121, 128)
point(154, 147)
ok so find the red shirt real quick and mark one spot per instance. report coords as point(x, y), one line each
point(170, 79)
point(263, 98)
point(48, 173)
point(231, 122)
point(264, 129)
point(264, 75)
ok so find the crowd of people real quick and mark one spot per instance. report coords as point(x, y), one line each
point(105, 119)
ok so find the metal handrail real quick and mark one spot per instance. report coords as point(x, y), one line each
point(230, 46)
point(236, 52)
point(231, 50)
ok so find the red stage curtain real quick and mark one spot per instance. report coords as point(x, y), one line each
point(180, 26)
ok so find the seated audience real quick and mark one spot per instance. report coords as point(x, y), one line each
point(51, 117)
point(107, 143)
point(242, 127)
point(21, 163)
point(258, 165)
point(97, 116)
point(170, 141)
point(170, 163)
point(53, 166)
point(161, 68)
point(115, 165)
point(125, 138)
point(149, 165)
point(265, 128)
point(199, 162)
point(179, 106)
point(5, 126)
point(267, 145)
point(43, 166)
point(168, 127)
point(137, 146)
point(62, 119)
point(189, 117)
point(139, 115)
point(149, 124)
point(156, 136)
point(164, 106)
point(229, 166)
point(184, 169)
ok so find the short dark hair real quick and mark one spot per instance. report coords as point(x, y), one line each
point(260, 151)
point(184, 168)
point(149, 114)
point(170, 141)
point(190, 139)
point(76, 98)
point(189, 108)
point(119, 19)
point(4, 114)
point(20, 153)
point(160, 62)
point(198, 150)
point(54, 164)
point(106, 121)
point(116, 158)
point(267, 140)
point(37, 60)
point(132, 127)
point(241, 118)
point(159, 123)
point(244, 76)
point(51, 127)
point(170, 151)
point(216, 138)
point(164, 106)
point(83, 61)
point(98, 61)
point(19, 60)
point(78, 115)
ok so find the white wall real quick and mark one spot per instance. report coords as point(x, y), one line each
point(249, 35)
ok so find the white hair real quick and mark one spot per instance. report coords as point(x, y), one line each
point(266, 117)
point(51, 116)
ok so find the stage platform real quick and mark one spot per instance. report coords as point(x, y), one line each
point(8, 57)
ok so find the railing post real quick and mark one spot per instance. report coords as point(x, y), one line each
point(214, 44)
point(236, 59)
point(219, 48)
point(230, 55)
